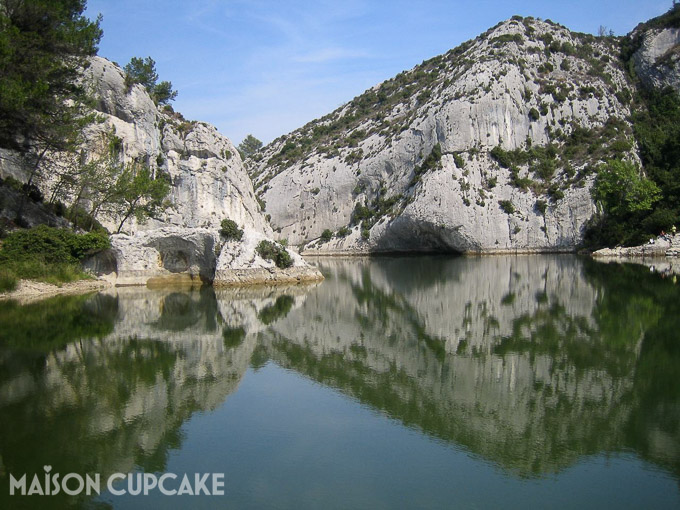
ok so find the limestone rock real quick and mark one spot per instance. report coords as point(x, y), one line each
point(165, 255)
point(240, 264)
point(208, 184)
point(668, 246)
point(192, 256)
point(208, 181)
point(413, 164)
point(657, 61)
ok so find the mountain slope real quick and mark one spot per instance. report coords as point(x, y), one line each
point(490, 147)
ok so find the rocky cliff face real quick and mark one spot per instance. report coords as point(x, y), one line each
point(655, 48)
point(205, 170)
point(490, 147)
point(657, 61)
point(208, 184)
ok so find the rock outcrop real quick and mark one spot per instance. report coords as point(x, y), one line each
point(488, 148)
point(193, 256)
point(657, 62)
point(208, 183)
point(661, 255)
point(667, 246)
point(656, 50)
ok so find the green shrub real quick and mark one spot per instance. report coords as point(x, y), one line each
point(230, 231)
point(541, 206)
point(507, 206)
point(36, 268)
point(52, 245)
point(534, 115)
point(343, 232)
point(458, 160)
point(272, 251)
point(555, 193)
point(431, 162)
point(360, 213)
point(327, 235)
point(508, 299)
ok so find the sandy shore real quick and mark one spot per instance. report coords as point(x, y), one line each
point(28, 291)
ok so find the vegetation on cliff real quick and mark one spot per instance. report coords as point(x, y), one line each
point(638, 204)
point(44, 108)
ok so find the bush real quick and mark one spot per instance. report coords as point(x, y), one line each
point(343, 232)
point(541, 206)
point(37, 269)
point(52, 245)
point(534, 115)
point(47, 254)
point(458, 160)
point(327, 235)
point(230, 231)
point(272, 251)
point(507, 206)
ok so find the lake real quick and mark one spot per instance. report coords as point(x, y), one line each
point(397, 382)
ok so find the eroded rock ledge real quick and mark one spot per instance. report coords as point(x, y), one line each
point(661, 247)
point(184, 256)
point(663, 256)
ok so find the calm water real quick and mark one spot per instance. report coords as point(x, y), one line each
point(429, 382)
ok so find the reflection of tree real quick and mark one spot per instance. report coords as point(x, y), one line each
point(113, 404)
point(90, 410)
point(233, 336)
point(633, 300)
point(56, 322)
point(278, 310)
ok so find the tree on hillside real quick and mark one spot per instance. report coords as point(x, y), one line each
point(625, 199)
point(621, 189)
point(138, 194)
point(44, 44)
point(143, 71)
point(249, 146)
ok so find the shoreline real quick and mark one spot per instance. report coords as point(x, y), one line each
point(29, 291)
point(479, 253)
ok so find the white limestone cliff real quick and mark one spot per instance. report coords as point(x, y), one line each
point(525, 84)
point(208, 184)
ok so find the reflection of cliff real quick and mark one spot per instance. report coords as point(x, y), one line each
point(530, 362)
point(518, 359)
point(112, 403)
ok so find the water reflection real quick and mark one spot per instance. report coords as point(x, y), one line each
point(528, 362)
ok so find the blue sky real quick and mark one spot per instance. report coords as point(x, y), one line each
point(267, 67)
